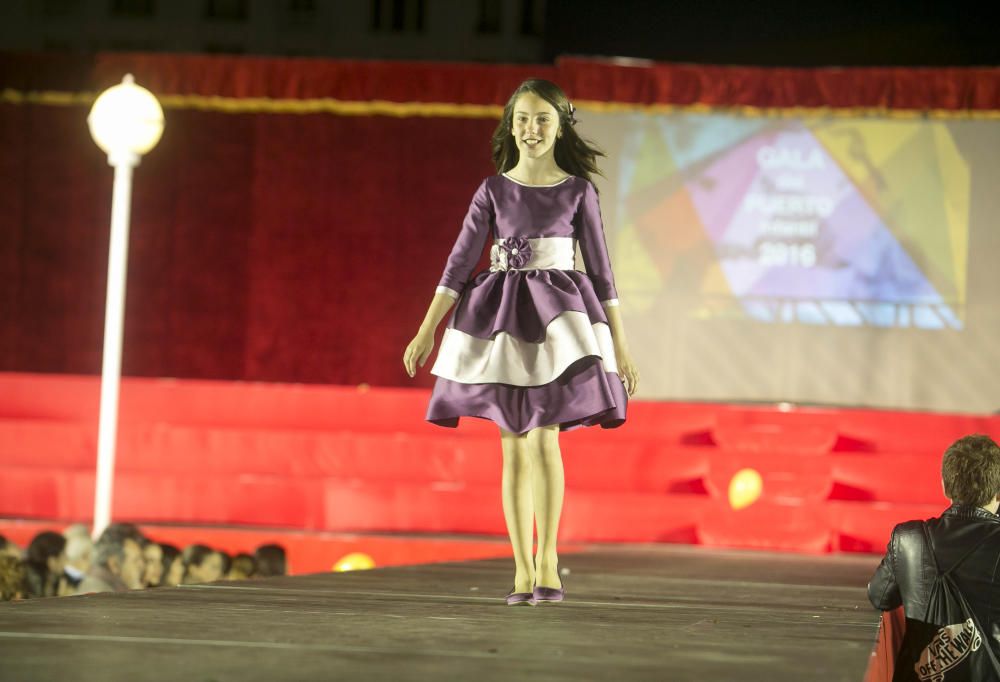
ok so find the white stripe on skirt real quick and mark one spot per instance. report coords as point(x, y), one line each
point(506, 359)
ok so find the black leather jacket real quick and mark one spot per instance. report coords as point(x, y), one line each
point(907, 570)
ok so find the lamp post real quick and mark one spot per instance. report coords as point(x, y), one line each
point(126, 121)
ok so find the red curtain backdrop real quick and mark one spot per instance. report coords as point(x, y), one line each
point(634, 82)
point(301, 247)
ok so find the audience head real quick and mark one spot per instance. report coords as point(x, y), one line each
point(970, 471)
point(77, 529)
point(44, 564)
point(173, 565)
point(12, 578)
point(47, 552)
point(125, 552)
point(152, 554)
point(244, 566)
point(227, 562)
point(8, 548)
point(79, 551)
point(118, 551)
point(130, 530)
point(270, 560)
point(202, 564)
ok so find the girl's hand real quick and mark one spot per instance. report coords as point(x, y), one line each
point(417, 352)
point(627, 370)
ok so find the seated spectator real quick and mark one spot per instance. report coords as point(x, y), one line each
point(11, 578)
point(77, 529)
point(244, 567)
point(118, 563)
point(202, 564)
point(79, 556)
point(152, 553)
point(965, 540)
point(270, 560)
point(173, 565)
point(227, 562)
point(44, 564)
point(8, 548)
point(129, 530)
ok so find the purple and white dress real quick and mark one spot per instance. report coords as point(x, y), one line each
point(528, 343)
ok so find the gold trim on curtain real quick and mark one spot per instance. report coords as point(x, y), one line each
point(264, 105)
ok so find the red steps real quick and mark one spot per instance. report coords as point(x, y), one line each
point(358, 459)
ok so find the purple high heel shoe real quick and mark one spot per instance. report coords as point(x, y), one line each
point(520, 599)
point(548, 594)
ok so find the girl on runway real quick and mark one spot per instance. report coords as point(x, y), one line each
point(534, 345)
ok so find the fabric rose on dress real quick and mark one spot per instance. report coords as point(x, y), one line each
point(518, 251)
point(513, 252)
point(498, 259)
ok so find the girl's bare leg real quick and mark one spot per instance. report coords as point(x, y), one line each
point(548, 485)
point(518, 509)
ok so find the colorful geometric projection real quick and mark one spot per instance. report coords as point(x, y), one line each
point(824, 221)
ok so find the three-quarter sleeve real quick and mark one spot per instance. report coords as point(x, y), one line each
point(594, 248)
point(470, 243)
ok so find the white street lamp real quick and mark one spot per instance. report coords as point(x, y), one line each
point(126, 121)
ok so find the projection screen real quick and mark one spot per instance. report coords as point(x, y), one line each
point(843, 260)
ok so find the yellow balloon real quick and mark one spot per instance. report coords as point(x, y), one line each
point(355, 561)
point(745, 488)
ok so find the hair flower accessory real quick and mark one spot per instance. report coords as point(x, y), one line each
point(510, 253)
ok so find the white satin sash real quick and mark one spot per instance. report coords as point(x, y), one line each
point(547, 253)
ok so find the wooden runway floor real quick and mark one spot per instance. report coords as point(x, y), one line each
point(648, 612)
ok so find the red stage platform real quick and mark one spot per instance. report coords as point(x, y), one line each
point(359, 459)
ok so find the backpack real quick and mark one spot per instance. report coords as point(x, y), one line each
point(948, 644)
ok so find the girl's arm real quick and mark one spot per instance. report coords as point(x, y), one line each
point(623, 358)
point(469, 246)
point(593, 248)
point(617, 328)
point(464, 256)
point(439, 307)
point(420, 347)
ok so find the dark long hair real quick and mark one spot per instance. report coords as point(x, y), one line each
point(270, 560)
point(39, 580)
point(573, 154)
point(43, 547)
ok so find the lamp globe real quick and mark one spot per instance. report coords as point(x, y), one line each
point(126, 119)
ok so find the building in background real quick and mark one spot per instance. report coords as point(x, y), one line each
point(452, 30)
point(788, 33)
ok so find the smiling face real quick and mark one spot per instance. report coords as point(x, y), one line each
point(535, 126)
